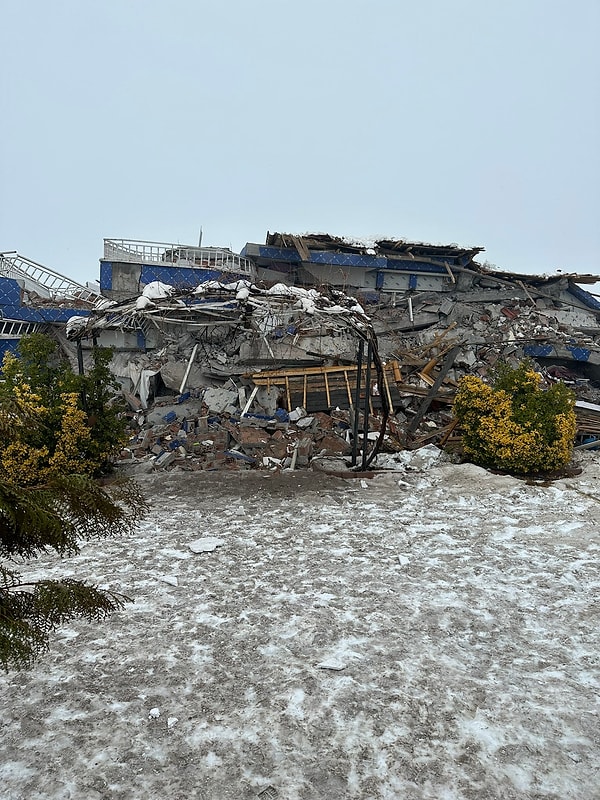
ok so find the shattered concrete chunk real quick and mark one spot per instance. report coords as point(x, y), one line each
point(297, 414)
point(217, 400)
point(164, 460)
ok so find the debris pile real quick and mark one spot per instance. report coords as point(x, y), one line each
point(273, 374)
point(246, 425)
point(208, 430)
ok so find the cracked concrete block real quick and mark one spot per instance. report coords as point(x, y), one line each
point(217, 400)
point(172, 374)
point(164, 460)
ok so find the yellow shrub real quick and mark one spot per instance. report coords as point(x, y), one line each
point(27, 463)
point(515, 425)
point(75, 434)
point(24, 465)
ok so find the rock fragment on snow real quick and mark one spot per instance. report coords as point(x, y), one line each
point(403, 560)
point(154, 713)
point(172, 721)
point(335, 666)
point(205, 545)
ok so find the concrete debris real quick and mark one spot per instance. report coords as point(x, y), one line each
point(419, 460)
point(218, 400)
point(191, 437)
point(218, 428)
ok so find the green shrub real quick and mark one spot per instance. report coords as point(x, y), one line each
point(67, 423)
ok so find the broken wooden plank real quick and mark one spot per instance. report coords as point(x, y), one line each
point(387, 390)
point(327, 391)
point(426, 378)
point(448, 431)
point(348, 391)
point(301, 247)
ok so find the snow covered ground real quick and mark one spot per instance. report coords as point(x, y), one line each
point(432, 634)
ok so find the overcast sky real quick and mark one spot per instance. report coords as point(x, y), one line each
point(468, 121)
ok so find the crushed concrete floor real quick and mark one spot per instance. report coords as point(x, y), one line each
point(430, 633)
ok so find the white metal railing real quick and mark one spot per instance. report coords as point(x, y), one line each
point(184, 255)
point(15, 328)
point(43, 280)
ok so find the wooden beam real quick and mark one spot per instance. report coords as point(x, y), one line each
point(449, 271)
point(448, 431)
point(348, 391)
point(301, 248)
point(387, 390)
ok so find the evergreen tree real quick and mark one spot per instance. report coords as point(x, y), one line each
point(47, 503)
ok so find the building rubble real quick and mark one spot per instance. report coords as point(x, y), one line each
point(276, 357)
point(237, 377)
point(210, 346)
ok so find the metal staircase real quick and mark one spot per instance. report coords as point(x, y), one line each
point(46, 282)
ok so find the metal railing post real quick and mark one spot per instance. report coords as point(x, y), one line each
point(367, 405)
point(355, 421)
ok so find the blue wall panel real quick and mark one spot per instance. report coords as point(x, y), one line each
point(8, 346)
point(579, 353)
point(291, 256)
point(42, 314)
point(414, 265)
point(10, 292)
point(106, 268)
point(585, 297)
point(538, 350)
point(181, 277)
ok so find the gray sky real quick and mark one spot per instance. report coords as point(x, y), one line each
point(468, 121)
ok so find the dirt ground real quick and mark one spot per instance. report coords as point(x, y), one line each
point(425, 634)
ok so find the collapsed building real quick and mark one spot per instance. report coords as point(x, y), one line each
point(307, 338)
